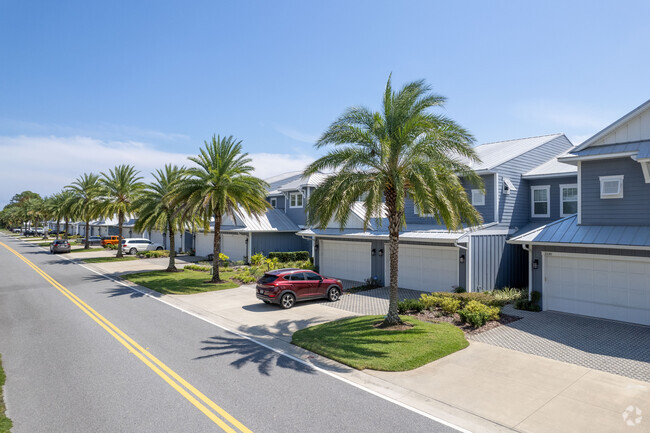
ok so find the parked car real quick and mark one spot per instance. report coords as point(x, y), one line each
point(60, 246)
point(93, 240)
point(29, 232)
point(17, 230)
point(288, 286)
point(110, 240)
point(135, 245)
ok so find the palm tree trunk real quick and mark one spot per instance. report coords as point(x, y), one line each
point(66, 229)
point(120, 221)
point(216, 248)
point(172, 252)
point(394, 224)
point(58, 227)
point(87, 243)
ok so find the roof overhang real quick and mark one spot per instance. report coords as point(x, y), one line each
point(549, 175)
point(578, 245)
point(575, 158)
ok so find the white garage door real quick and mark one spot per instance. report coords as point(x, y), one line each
point(158, 238)
point(234, 246)
point(204, 244)
point(610, 287)
point(426, 268)
point(346, 260)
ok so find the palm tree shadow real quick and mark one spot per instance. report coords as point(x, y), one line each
point(123, 291)
point(249, 352)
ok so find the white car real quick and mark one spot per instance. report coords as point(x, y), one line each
point(135, 245)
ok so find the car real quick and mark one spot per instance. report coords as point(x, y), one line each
point(110, 240)
point(95, 240)
point(17, 230)
point(135, 245)
point(287, 286)
point(29, 232)
point(60, 246)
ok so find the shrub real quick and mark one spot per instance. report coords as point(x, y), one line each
point(257, 259)
point(271, 263)
point(460, 289)
point(477, 314)
point(508, 294)
point(155, 254)
point(198, 268)
point(532, 305)
point(449, 305)
point(246, 278)
point(483, 297)
point(410, 305)
point(430, 301)
point(289, 256)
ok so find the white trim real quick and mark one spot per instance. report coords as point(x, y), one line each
point(575, 245)
point(596, 157)
point(548, 176)
point(496, 197)
point(274, 202)
point(616, 178)
point(645, 166)
point(601, 256)
point(296, 194)
point(566, 186)
point(476, 195)
point(579, 193)
point(546, 188)
point(544, 301)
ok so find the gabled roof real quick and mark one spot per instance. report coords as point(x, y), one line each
point(495, 154)
point(566, 231)
point(293, 181)
point(611, 128)
point(273, 220)
point(552, 168)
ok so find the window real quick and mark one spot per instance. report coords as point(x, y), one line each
point(417, 211)
point(611, 186)
point(298, 276)
point(478, 198)
point(295, 199)
point(540, 201)
point(311, 276)
point(274, 202)
point(568, 199)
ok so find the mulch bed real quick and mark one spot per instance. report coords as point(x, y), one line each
point(437, 317)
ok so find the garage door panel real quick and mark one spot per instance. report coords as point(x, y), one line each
point(610, 287)
point(425, 268)
point(346, 260)
point(234, 246)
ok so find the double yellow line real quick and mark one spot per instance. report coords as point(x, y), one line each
point(192, 394)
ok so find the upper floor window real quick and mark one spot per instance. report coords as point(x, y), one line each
point(418, 212)
point(611, 186)
point(568, 199)
point(274, 202)
point(540, 206)
point(295, 199)
point(478, 198)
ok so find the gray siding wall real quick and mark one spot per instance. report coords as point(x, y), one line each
point(538, 250)
point(555, 195)
point(297, 215)
point(270, 242)
point(496, 264)
point(114, 230)
point(486, 211)
point(631, 210)
point(514, 208)
point(280, 201)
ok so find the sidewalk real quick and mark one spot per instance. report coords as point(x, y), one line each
point(483, 388)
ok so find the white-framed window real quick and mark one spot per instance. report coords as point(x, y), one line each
point(274, 202)
point(295, 199)
point(540, 201)
point(478, 198)
point(418, 212)
point(611, 186)
point(568, 199)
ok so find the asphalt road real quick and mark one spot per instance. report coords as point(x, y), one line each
point(68, 371)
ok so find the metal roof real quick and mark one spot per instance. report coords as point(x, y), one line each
point(311, 180)
point(553, 167)
point(431, 235)
point(567, 231)
point(273, 220)
point(494, 154)
point(633, 146)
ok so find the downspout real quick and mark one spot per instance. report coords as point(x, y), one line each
point(249, 252)
point(530, 269)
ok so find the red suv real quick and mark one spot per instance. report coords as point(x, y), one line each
point(287, 286)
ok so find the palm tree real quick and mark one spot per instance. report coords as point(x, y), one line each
point(155, 210)
point(86, 189)
point(220, 185)
point(384, 157)
point(119, 190)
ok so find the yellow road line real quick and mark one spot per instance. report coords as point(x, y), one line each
point(145, 356)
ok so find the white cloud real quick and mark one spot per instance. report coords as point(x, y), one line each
point(47, 164)
point(296, 135)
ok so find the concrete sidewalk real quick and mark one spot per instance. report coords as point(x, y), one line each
point(483, 388)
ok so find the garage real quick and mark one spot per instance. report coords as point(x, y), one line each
point(234, 246)
point(204, 244)
point(345, 260)
point(609, 287)
point(426, 268)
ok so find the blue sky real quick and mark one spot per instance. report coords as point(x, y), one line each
point(88, 85)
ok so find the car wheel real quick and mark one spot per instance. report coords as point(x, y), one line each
point(133, 251)
point(159, 249)
point(333, 294)
point(287, 300)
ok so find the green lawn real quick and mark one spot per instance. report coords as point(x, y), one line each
point(178, 283)
point(87, 250)
point(5, 423)
point(108, 259)
point(357, 343)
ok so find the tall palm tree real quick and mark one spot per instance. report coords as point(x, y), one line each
point(86, 188)
point(120, 187)
point(402, 151)
point(220, 185)
point(155, 209)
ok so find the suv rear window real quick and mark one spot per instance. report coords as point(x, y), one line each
point(267, 278)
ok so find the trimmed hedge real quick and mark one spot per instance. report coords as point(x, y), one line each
point(290, 256)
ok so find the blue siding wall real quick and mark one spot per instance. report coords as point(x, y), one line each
point(487, 210)
point(514, 208)
point(269, 242)
point(279, 199)
point(496, 264)
point(555, 194)
point(297, 215)
point(631, 210)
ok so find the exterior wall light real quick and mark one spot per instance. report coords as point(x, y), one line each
point(535, 264)
point(374, 252)
point(462, 258)
point(381, 252)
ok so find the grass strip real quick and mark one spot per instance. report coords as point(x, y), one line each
point(107, 259)
point(357, 342)
point(5, 423)
point(178, 283)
